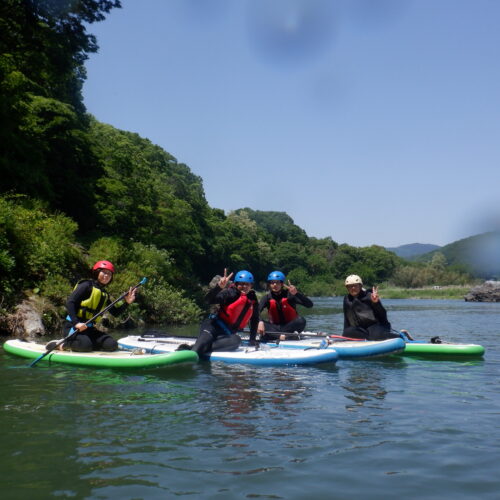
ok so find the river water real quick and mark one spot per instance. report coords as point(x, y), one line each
point(388, 428)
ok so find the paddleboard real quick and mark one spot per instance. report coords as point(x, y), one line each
point(98, 359)
point(411, 348)
point(350, 349)
point(427, 349)
point(265, 355)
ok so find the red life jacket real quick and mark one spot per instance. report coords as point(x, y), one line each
point(288, 312)
point(237, 314)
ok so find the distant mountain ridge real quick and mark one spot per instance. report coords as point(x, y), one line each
point(413, 249)
point(478, 255)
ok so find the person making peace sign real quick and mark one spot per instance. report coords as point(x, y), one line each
point(364, 315)
point(281, 303)
point(238, 307)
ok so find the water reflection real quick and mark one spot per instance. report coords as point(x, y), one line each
point(360, 389)
point(249, 398)
point(39, 438)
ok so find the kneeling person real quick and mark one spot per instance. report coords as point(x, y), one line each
point(238, 307)
point(364, 315)
point(87, 299)
point(281, 303)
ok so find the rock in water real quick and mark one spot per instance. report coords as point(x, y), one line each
point(26, 321)
point(489, 291)
point(215, 281)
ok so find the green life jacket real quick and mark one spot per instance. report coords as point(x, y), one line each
point(94, 304)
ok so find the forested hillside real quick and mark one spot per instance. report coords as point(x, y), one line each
point(74, 190)
point(478, 255)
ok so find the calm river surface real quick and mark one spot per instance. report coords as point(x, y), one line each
point(388, 428)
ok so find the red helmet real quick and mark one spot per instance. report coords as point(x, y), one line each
point(104, 264)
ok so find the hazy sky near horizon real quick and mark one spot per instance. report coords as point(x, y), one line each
point(370, 121)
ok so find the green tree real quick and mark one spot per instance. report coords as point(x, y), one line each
point(289, 255)
point(279, 225)
point(438, 262)
point(34, 245)
point(44, 151)
point(379, 264)
point(145, 195)
point(344, 261)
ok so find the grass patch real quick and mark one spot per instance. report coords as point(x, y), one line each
point(444, 292)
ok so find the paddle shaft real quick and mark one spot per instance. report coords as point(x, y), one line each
point(75, 332)
point(319, 335)
point(159, 336)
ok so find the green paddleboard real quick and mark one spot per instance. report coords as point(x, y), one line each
point(98, 359)
point(445, 350)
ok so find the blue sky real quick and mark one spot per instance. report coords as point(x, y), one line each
point(370, 121)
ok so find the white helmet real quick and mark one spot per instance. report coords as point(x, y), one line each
point(353, 279)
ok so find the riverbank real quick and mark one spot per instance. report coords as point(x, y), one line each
point(443, 292)
point(16, 324)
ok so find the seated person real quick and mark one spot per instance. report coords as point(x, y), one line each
point(281, 303)
point(238, 307)
point(88, 298)
point(364, 315)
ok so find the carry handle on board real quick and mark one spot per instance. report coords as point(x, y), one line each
point(73, 333)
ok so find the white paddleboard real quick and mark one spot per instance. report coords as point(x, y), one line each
point(264, 355)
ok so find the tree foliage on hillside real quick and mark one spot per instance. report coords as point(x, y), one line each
point(436, 272)
point(279, 225)
point(35, 245)
point(146, 194)
point(44, 148)
point(478, 255)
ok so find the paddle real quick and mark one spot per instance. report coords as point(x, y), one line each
point(311, 335)
point(341, 337)
point(73, 333)
point(159, 335)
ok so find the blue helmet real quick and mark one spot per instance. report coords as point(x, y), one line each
point(243, 277)
point(276, 276)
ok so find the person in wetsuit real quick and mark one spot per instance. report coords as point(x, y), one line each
point(364, 315)
point(281, 304)
point(87, 299)
point(237, 307)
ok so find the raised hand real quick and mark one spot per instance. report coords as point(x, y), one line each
point(225, 279)
point(375, 297)
point(291, 288)
point(130, 297)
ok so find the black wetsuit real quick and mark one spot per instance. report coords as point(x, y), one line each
point(297, 324)
point(90, 339)
point(365, 319)
point(215, 334)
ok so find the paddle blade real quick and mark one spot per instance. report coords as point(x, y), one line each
point(35, 361)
